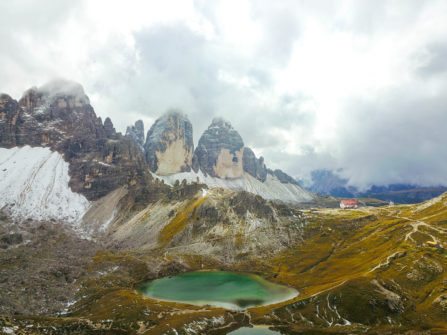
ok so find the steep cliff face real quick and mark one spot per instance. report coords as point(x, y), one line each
point(58, 115)
point(9, 120)
point(282, 176)
point(169, 144)
point(220, 160)
point(253, 165)
point(136, 133)
point(219, 152)
point(109, 128)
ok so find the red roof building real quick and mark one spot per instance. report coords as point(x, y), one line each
point(349, 203)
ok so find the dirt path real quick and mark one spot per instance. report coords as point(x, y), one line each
point(415, 224)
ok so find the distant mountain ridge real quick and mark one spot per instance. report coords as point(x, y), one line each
point(327, 182)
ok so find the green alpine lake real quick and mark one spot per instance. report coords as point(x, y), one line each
point(257, 330)
point(230, 290)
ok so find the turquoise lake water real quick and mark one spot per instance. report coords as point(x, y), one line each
point(218, 288)
point(253, 331)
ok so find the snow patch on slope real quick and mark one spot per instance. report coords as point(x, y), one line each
point(271, 189)
point(34, 184)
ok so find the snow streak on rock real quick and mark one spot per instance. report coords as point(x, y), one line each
point(34, 185)
point(271, 189)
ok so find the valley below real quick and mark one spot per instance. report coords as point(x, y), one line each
point(365, 271)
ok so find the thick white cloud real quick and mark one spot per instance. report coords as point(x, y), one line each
point(358, 84)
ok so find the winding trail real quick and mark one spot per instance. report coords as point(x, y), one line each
point(415, 224)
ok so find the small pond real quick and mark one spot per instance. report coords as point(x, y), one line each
point(230, 290)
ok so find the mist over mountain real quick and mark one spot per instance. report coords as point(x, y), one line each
point(193, 167)
point(326, 182)
point(339, 85)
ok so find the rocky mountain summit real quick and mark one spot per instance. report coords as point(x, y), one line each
point(220, 160)
point(169, 144)
point(136, 133)
point(220, 150)
point(58, 115)
point(254, 166)
point(9, 114)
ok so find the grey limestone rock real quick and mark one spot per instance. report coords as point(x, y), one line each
point(219, 152)
point(283, 177)
point(254, 166)
point(169, 144)
point(109, 128)
point(58, 115)
point(136, 132)
point(9, 120)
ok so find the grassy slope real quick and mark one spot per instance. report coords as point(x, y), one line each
point(179, 222)
point(341, 257)
point(334, 268)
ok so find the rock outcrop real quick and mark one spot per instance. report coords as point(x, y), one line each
point(221, 161)
point(58, 115)
point(109, 128)
point(136, 133)
point(169, 144)
point(283, 177)
point(9, 120)
point(219, 152)
point(253, 165)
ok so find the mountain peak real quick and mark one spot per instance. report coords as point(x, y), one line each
point(169, 144)
point(61, 93)
point(62, 87)
point(136, 132)
point(220, 150)
point(220, 123)
point(173, 114)
point(58, 88)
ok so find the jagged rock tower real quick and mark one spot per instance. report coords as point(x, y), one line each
point(136, 133)
point(254, 166)
point(58, 115)
point(220, 150)
point(169, 144)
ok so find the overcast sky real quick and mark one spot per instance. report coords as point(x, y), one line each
point(358, 85)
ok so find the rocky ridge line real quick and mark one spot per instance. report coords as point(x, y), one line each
point(58, 115)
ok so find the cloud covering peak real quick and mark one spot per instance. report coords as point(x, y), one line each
point(352, 85)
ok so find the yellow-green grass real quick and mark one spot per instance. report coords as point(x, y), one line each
point(179, 222)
